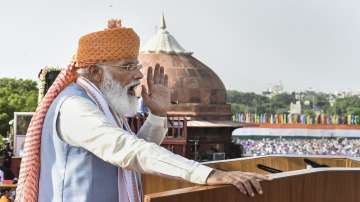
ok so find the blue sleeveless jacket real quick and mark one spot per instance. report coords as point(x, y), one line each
point(68, 173)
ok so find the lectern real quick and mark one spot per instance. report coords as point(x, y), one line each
point(340, 182)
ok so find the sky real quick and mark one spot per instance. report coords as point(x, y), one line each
point(250, 44)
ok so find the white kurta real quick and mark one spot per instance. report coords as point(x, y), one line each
point(82, 124)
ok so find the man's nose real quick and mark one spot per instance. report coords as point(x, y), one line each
point(138, 74)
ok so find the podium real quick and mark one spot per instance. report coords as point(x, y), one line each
point(340, 182)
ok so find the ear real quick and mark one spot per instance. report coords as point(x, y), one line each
point(96, 74)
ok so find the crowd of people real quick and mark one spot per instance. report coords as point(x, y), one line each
point(300, 146)
point(7, 194)
point(247, 117)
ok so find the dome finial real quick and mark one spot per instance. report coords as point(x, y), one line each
point(162, 22)
point(163, 42)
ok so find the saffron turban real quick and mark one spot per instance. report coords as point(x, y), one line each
point(114, 43)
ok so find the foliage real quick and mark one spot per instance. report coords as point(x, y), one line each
point(15, 95)
point(281, 103)
point(350, 104)
point(318, 103)
point(249, 102)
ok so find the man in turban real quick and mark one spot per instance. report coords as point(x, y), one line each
point(80, 135)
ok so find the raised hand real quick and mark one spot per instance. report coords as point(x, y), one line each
point(157, 96)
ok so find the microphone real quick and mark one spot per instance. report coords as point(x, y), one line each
point(268, 169)
point(314, 164)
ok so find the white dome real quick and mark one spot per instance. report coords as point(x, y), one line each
point(163, 42)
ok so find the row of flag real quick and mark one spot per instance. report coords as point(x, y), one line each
point(247, 117)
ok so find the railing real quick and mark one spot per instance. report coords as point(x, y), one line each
point(176, 137)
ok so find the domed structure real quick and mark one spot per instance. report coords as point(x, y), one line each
point(196, 90)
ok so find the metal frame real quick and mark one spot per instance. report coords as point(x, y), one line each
point(16, 115)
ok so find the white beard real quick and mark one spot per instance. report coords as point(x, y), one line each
point(117, 96)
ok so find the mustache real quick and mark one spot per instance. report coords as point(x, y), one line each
point(132, 84)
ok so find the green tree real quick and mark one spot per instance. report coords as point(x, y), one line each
point(281, 103)
point(15, 95)
point(247, 102)
point(347, 105)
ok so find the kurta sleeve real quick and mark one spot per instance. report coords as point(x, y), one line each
point(154, 129)
point(81, 124)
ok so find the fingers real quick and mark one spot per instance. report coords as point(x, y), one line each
point(162, 76)
point(144, 93)
point(256, 185)
point(248, 188)
point(150, 78)
point(157, 75)
point(249, 181)
point(166, 80)
point(240, 186)
point(245, 182)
